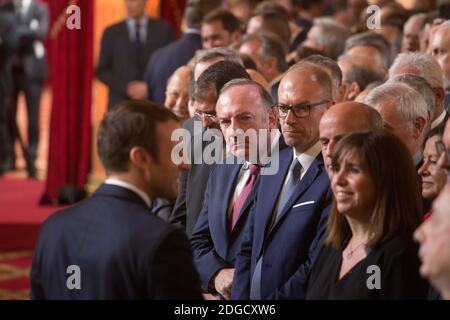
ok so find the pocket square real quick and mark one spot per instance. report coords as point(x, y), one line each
point(303, 204)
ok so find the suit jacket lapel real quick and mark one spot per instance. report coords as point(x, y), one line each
point(271, 186)
point(231, 175)
point(307, 180)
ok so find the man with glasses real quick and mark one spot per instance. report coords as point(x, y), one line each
point(289, 216)
point(192, 183)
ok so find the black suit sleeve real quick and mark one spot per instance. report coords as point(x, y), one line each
point(105, 66)
point(178, 215)
point(173, 275)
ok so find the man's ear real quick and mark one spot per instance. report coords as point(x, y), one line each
point(439, 92)
point(140, 158)
point(271, 63)
point(273, 119)
point(419, 127)
point(353, 91)
point(235, 36)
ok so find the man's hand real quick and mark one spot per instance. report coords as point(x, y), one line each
point(137, 90)
point(223, 281)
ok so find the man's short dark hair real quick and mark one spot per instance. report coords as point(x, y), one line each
point(270, 47)
point(196, 10)
point(130, 124)
point(216, 76)
point(275, 22)
point(229, 22)
point(363, 77)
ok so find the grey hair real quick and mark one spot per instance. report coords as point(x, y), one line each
point(424, 65)
point(408, 101)
point(374, 40)
point(332, 35)
point(421, 86)
point(214, 53)
point(265, 96)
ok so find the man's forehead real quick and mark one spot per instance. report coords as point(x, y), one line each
point(244, 96)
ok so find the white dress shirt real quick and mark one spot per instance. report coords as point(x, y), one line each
point(131, 23)
point(438, 120)
point(126, 185)
point(244, 174)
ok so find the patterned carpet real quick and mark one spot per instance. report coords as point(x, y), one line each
point(14, 275)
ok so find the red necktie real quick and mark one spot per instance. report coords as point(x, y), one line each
point(254, 171)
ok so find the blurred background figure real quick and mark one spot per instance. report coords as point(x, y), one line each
point(440, 49)
point(411, 32)
point(434, 238)
point(220, 28)
point(177, 92)
point(8, 45)
point(425, 66)
point(169, 58)
point(327, 36)
point(242, 9)
point(29, 73)
point(125, 50)
point(269, 55)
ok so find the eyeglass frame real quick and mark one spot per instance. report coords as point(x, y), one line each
point(291, 108)
point(211, 116)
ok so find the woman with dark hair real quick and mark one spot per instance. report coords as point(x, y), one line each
point(369, 252)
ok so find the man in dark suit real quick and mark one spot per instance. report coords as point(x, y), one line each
point(166, 60)
point(29, 73)
point(288, 219)
point(232, 185)
point(192, 184)
point(111, 246)
point(125, 50)
point(8, 45)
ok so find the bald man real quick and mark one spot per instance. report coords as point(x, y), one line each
point(177, 92)
point(344, 118)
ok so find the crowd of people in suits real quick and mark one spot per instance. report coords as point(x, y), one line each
point(359, 206)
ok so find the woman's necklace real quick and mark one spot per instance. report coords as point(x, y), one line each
point(349, 254)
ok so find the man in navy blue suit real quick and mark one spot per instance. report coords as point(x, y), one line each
point(288, 218)
point(111, 246)
point(169, 58)
point(243, 105)
point(192, 182)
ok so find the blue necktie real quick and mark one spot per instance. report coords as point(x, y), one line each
point(294, 177)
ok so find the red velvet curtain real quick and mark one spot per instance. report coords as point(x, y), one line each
point(172, 11)
point(70, 54)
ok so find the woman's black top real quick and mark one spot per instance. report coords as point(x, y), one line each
point(389, 271)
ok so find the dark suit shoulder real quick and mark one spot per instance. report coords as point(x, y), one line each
point(161, 24)
point(116, 27)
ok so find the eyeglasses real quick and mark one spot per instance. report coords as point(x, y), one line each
point(301, 110)
point(206, 115)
